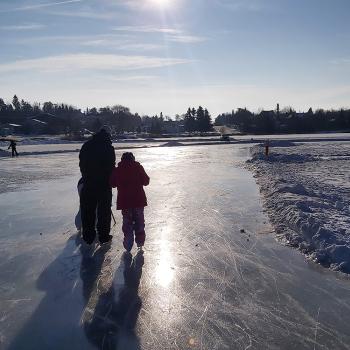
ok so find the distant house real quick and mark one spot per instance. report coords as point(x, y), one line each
point(267, 114)
point(9, 129)
point(47, 118)
point(173, 127)
point(46, 123)
point(36, 126)
point(226, 130)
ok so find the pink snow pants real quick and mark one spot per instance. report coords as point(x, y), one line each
point(133, 221)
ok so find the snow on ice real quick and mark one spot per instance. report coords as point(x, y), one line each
point(306, 192)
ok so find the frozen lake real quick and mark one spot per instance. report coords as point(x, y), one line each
point(41, 145)
point(202, 282)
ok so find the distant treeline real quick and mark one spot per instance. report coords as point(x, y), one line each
point(286, 120)
point(23, 117)
point(49, 118)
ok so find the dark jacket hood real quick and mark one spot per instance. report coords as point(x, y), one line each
point(102, 136)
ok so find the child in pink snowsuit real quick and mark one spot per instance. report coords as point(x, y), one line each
point(129, 177)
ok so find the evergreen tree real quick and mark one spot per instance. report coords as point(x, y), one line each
point(93, 111)
point(3, 107)
point(48, 107)
point(36, 108)
point(207, 122)
point(16, 104)
point(194, 114)
point(156, 125)
point(26, 108)
point(200, 119)
point(190, 121)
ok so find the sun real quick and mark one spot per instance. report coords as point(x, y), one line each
point(161, 3)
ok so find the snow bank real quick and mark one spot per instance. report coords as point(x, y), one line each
point(306, 192)
point(172, 143)
point(4, 153)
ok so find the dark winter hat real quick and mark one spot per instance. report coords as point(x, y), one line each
point(106, 129)
point(103, 133)
point(128, 156)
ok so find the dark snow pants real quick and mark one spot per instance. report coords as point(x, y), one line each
point(14, 152)
point(95, 203)
point(133, 221)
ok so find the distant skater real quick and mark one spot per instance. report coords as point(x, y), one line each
point(13, 146)
point(267, 148)
point(129, 178)
point(97, 160)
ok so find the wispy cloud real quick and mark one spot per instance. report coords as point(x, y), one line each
point(20, 27)
point(115, 41)
point(86, 61)
point(147, 29)
point(133, 78)
point(187, 39)
point(102, 42)
point(101, 15)
point(43, 5)
point(78, 39)
point(172, 34)
point(341, 61)
point(120, 45)
point(140, 47)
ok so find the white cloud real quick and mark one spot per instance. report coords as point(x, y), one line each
point(120, 44)
point(140, 47)
point(101, 42)
point(147, 29)
point(89, 14)
point(86, 61)
point(187, 39)
point(118, 41)
point(20, 27)
point(172, 34)
point(77, 39)
point(341, 61)
point(132, 78)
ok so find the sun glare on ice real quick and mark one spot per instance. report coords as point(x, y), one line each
point(164, 273)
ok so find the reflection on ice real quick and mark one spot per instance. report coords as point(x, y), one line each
point(164, 273)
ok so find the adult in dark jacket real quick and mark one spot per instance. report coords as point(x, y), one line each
point(97, 160)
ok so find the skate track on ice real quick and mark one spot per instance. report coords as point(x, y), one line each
point(212, 275)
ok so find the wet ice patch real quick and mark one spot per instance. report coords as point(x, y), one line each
point(307, 195)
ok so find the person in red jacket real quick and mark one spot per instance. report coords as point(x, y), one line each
point(129, 177)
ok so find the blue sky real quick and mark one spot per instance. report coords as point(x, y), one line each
point(166, 55)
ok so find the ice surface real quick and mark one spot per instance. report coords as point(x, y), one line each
point(212, 275)
point(45, 144)
point(307, 195)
